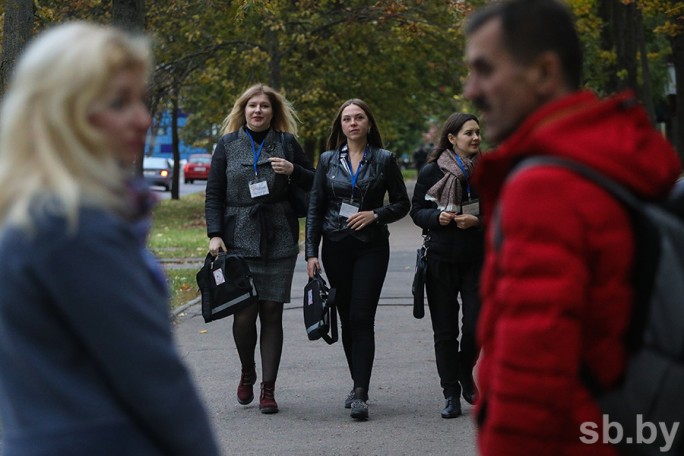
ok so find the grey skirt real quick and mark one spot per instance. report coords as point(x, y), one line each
point(273, 278)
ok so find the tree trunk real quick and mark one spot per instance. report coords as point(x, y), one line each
point(274, 54)
point(129, 14)
point(677, 43)
point(175, 144)
point(607, 15)
point(646, 91)
point(18, 25)
point(625, 45)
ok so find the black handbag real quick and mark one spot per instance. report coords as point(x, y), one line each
point(226, 286)
point(297, 196)
point(418, 287)
point(320, 315)
point(299, 200)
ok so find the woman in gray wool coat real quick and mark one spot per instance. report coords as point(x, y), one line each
point(248, 213)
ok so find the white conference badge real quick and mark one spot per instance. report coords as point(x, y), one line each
point(347, 209)
point(258, 187)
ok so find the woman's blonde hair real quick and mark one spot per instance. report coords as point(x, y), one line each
point(50, 154)
point(284, 116)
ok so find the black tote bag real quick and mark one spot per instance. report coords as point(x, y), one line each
point(226, 286)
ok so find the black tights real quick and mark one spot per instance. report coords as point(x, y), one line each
point(271, 342)
point(357, 270)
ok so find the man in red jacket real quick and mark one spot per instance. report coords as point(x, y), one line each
point(557, 292)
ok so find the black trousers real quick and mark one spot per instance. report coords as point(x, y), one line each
point(357, 270)
point(444, 282)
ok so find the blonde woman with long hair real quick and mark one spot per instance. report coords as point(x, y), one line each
point(87, 359)
point(248, 212)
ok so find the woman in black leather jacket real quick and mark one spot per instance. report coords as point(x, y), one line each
point(445, 206)
point(346, 209)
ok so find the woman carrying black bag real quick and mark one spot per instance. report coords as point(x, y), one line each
point(445, 206)
point(347, 210)
point(249, 213)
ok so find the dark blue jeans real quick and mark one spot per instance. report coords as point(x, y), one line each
point(357, 270)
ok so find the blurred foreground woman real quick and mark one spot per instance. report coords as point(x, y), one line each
point(87, 360)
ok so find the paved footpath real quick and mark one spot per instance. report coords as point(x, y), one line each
point(405, 396)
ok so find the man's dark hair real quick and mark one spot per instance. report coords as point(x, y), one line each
point(531, 27)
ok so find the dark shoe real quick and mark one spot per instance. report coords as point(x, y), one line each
point(350, 398)
point(359, 410)
point(452, 409)
point(470, 392)
point(245, 392)
point(267, 403)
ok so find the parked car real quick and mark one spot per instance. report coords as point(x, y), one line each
point(158, 171)
point(197, 167)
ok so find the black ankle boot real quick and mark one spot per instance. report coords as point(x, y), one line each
point(470, 392)
point(452, 409)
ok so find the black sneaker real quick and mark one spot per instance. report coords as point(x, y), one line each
point(452, 409)
point(469, 389)
point(359, 410)
point(350, 398)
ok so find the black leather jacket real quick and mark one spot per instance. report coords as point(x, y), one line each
point(379, 175)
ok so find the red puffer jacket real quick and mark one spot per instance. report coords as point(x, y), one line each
point(558, 290)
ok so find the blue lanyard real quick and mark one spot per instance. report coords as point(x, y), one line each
point(256, 153)
point(355, 175)
point(465, 172)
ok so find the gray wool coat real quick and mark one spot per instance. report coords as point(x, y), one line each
point(263, 227)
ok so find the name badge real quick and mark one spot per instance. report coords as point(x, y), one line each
point(258, 188)
point(348, 209)
point(471, 207)
point(218, 276)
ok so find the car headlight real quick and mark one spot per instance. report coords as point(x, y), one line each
point(164, 173)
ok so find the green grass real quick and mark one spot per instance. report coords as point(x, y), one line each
point(411, 173)
point(182, 286)
point(179, 232)
point(179, 229)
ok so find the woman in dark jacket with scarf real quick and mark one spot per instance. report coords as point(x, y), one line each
point(248, 213)
point(445, 206)
point(346, 209)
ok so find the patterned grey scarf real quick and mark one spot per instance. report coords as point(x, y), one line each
point(448, 191)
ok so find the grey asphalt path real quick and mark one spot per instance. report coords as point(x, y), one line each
point(405, 397)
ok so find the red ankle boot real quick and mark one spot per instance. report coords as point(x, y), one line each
point(267, 403)
point(245, 392)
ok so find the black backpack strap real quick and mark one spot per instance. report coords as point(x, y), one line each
point(333, 319)
point(615, 189)
point(289, 156)
point(331, 309)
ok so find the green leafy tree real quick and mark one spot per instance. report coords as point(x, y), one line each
point(18, 22)
point(402, 57)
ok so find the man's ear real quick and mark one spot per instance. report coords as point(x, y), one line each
point(547, 75)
